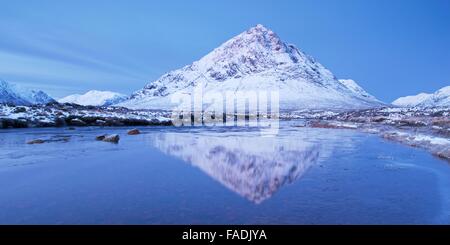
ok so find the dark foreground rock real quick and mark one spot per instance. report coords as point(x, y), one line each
point(55, 138)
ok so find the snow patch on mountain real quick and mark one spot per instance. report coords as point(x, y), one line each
point(255, 60)
point(94, 98)
point(12, 94)
point(440, 98)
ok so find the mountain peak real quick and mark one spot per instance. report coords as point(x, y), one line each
point(260, 30)
point(257, 60)
point(260, 36)
point(260, 27)
point(255, 50)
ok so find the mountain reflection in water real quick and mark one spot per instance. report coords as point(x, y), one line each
point(252, 166)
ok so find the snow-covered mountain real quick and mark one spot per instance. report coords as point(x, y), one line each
point(256, 60)
point(94, 98)
point(411, 101)
point(38, 97)
point(440, 98)
point(12, 94)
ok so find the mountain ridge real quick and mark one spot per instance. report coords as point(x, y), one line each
point(440, 98)
point(94, 98)
point(255, 60)
point(10, 93)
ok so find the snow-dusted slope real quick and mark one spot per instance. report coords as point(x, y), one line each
point(12, 94)
point(8, 94)
point(440, 98)
point(255, 60)
point(411, 101)
point(357, 90)
point(38, 97)
point(94, 98)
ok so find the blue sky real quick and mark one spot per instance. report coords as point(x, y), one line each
point(392, 48)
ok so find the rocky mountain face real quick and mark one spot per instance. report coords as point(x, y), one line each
point(256, 60)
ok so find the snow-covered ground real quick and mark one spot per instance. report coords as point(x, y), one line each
point(427, 128)
point(57, 115)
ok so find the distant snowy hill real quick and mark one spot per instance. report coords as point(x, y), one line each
point(440, 98)
point(94, 98)
point(12, 94)
point(257, 60)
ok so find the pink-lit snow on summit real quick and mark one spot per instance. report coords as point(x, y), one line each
point(255, 60)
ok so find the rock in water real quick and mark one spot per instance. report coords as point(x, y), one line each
point(37, 141)
point(114, 138)
point(134, 131)
point(100, 137)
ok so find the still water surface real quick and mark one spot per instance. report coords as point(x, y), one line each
point(218, 176)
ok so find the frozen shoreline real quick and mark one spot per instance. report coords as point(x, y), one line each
point(427, 128)
point(63, 115)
